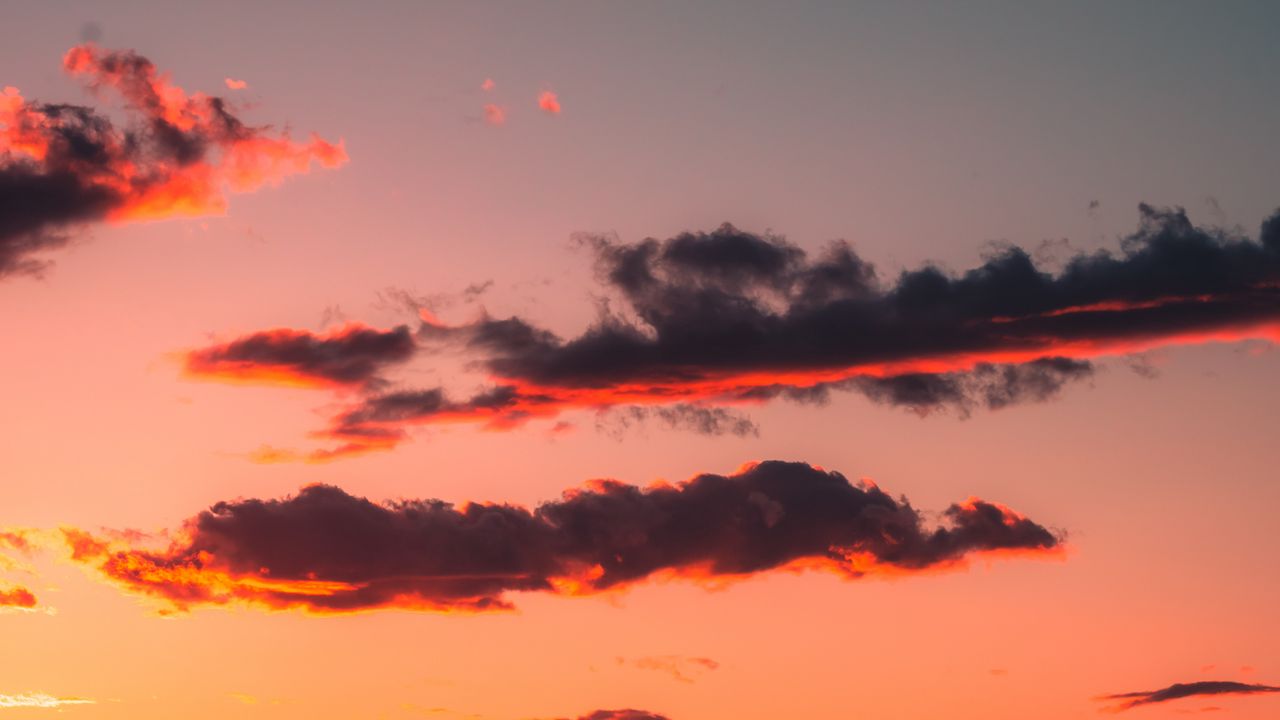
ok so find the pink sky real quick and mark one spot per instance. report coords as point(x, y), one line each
point(917, 137)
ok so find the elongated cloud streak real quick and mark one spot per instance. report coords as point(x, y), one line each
point(349, 356)
point(681, 668)
point(430, 555)
point(549, 103)
point(62, 166)
point(725, 312)
point(731, 317)
point(17, 597)
point(623, 715)
point(39, 700)
point(1178, 691)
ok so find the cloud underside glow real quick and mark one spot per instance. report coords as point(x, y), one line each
point(732, 319)
point(602, 538)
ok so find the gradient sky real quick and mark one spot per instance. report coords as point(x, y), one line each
point(917, 132)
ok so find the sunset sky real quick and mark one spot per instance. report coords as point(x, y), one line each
point(639, 361)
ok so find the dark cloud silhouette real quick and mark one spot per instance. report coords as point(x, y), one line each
point(989, 386)
point(1178, 691)
point(623, 715)
point(324, 550)
point(62, 166)
point(704, 321)
point(726, 309)
point(350, 355)
point(616, 422)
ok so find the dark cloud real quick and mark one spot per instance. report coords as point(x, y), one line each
point(730, 307)
point(1177, 691)
point(324, 550)
point(705, 321)
point(350, 355)
point(616, 422)
point(987, 385)
point(62, 166)
point(623, 715)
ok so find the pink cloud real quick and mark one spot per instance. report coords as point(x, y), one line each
point(549, 102)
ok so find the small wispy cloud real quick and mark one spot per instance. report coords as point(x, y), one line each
point(680, 667)
point(548, 102)
point(40, 700)
point(1178, 691)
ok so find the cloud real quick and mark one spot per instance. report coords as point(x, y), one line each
point(727, 311)
point(233, 84)
point(488, 84)
point(353, 355)
point(986, 385)
point(63, 166)
point(702, 420)
point(426, 307)
point(679, 667)
point(494, 114)
point(24, 542)
point(705, 321)
point(1178, 691)
point(623, 715)
point(39, 700)
point(548, 102)
point(604, 537)
point(17, 597)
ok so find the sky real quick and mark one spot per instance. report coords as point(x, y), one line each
point(639, 361)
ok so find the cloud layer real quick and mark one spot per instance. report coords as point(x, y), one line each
point(62, 166)
point(728, 317)
point(353, 355)
point(1178, 691)
point(623, 715)
point(17, 597)
point(326, 551)
point(729, 311)
point(39, 700)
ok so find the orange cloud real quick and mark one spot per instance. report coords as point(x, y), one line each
point(549, 103)
point(352, 355)
point(233, 84)
point(488, 84)
point(68, 165)
point(17, 597)
point(494, 114)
